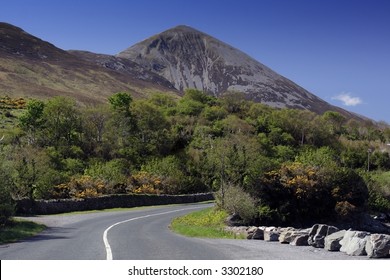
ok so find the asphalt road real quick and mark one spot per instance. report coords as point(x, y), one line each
point(143, 234)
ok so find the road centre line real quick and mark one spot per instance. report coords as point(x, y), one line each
point(105, 234)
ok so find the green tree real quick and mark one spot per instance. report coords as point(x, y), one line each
point(199, 96)
point(95, 121)
point(335, 122)
point(214, 113)
point(153, 129)
point(235, 103)
point(227, 161)
point(115, 170)
point(62, 124)
point(172, 174)
point(298, 123)
point(122, 128)
point(32, 120)
point(121, 102)
point(32, 172)
point(234, 125)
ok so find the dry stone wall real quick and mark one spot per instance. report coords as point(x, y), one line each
point(44, 207)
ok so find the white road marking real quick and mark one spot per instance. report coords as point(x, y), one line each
point(105, 234)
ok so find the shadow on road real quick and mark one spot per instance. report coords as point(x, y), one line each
point(50, 233)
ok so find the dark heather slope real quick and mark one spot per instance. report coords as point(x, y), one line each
point(31, 67)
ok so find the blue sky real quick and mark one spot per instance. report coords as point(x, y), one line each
point(337, 49)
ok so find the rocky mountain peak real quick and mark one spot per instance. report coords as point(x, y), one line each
point(189, 58)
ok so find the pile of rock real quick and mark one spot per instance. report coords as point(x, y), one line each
point(353, 243)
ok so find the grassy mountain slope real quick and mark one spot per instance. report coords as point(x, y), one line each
point(31, 67)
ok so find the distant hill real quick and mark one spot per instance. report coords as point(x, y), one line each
point(31, 67)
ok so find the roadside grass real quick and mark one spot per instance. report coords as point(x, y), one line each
point(383, 178)
point(19, 229)
point(208, 223)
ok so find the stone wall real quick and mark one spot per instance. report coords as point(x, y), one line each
point(44, 207)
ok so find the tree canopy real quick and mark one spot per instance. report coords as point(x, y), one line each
point(286, 161)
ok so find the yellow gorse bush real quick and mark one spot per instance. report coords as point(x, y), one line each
point(146, 189)
point(81, 187)
point(144, 182)
point(12, 103)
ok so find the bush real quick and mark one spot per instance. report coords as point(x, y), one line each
point(348, 185)
point(7, 205)
point(169, 172)
point(267, 216)
point(378, 192)
point(347, 212)
point(47, 181)
point(377, 202)
point(236, 201)
point(82, 187)
point(114, 171)
point(144, 182)
point(302, 194)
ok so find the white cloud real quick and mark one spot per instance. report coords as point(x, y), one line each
point(347, 99)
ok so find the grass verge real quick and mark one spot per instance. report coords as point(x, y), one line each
point(383, 180)
point(207, 223)
point(18, 230)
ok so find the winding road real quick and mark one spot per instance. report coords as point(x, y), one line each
point(142, 234)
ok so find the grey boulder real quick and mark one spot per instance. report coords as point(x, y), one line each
point(378, 246)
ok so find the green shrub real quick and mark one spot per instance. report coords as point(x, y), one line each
point(377, 202)
point(236, 201)
point(7, 206)
point(302, 194)
point(378, 192)
point(348, 185)
point(169, 170)
point(267, 216)
point(114, 171)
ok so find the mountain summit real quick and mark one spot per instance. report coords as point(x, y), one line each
point(189, 58)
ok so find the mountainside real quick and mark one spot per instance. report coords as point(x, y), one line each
point(32, 67)
point(191, 59)
point(124, 66)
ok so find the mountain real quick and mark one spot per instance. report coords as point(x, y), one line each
point(189, 58)
point(31, 67)
point(169, 62)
